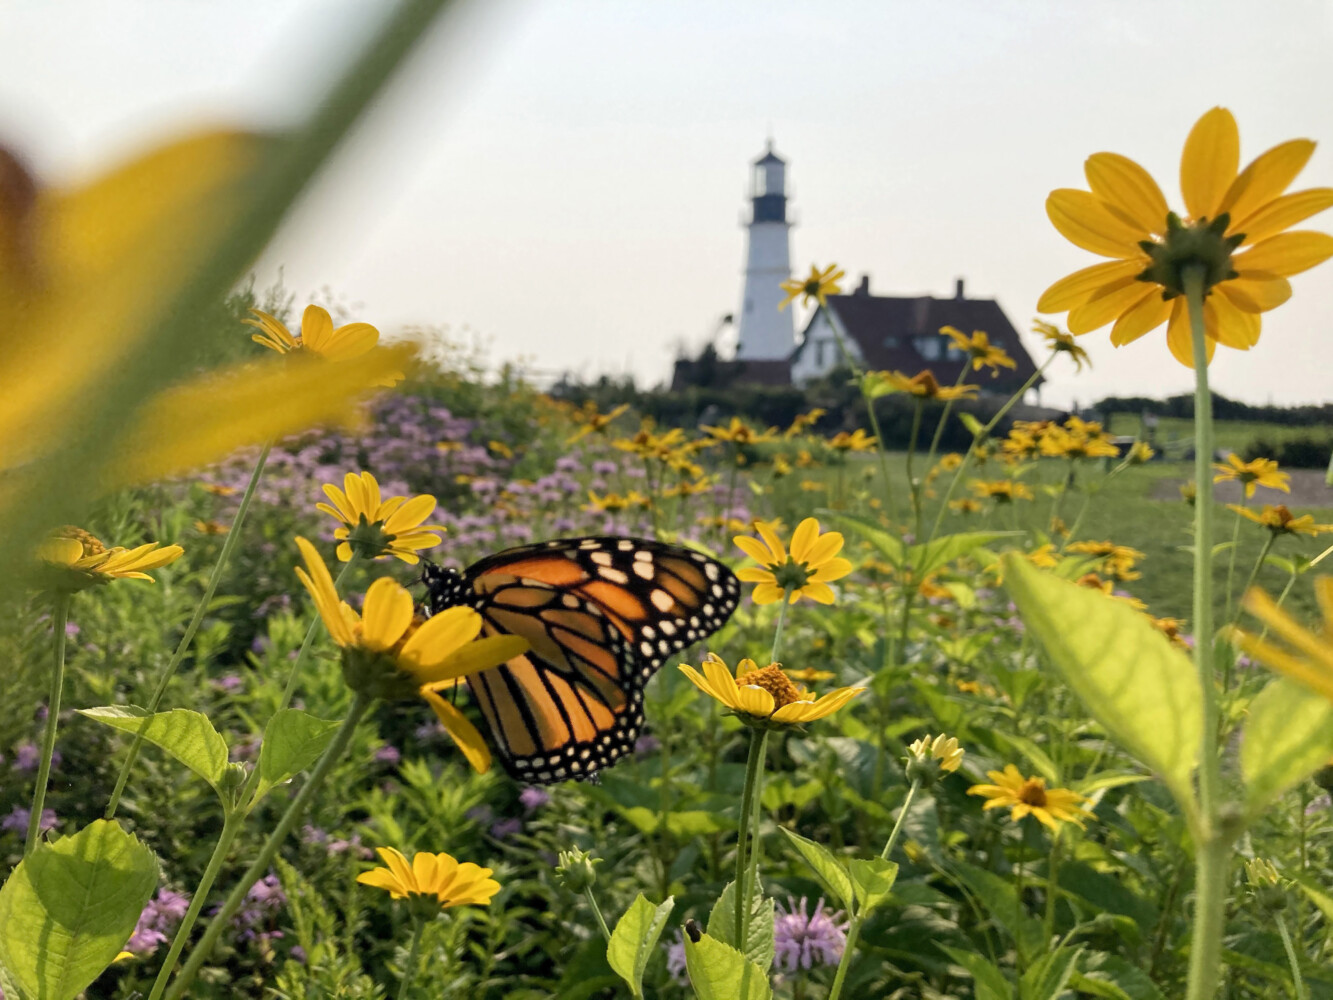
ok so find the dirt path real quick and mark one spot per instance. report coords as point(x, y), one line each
point(1307, 490)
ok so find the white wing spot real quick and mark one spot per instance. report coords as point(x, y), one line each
point(602, 558)
point(614, 575)
point(590, 543)
point(646, 648)
point(717, 590)
point(570, 601)
point(624, 545)
point(667, 629)
point(710, 571)
point(662, 600)
point(642, 569)
point(648, 632)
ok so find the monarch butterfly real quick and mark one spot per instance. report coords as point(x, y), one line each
point(602, 615)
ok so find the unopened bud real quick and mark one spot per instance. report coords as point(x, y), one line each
point(576, 871)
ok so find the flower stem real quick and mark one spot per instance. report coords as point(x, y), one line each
point(750, 796)
point(898, 824)
point(1234, 618)
point(59, 619)
point(1052, 887)
point(944, 419)
point(201, 952)
point(1212, 850)
point(912, 485)
point(410, 969)
point(844, 963)
point(777, 631)
point(597, 912)
point(1231, 563)
point(182, 647)
point(1297, 983)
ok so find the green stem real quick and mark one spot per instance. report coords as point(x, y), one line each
point(944, 419)
point(1020, 955)
point(59, 619)
point(777, 631)
point(204, 949)
point(1231, 563)
point(1078, 521)
point(898, 824)
point(182, 647)
point(1233, 619)
point(853, 936)
point(597, 912)
point(1212, 849)
point(754, 779)
point(978, 439)
point(912, 485)
point(1297, 983)
point(230, 828)
point(1052, 887)
point(410, 969)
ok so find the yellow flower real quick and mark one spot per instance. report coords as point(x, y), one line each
point(1043, 556)
point(500, 449)
point(810, 674)
point(944, 749)
point(1189, 492)
point(951, 461)
point(432, 875)
point(388, 652)
point(594, 422)
point(817, 286)
point(965, 505)
point(1030, 797)
point(1125, 217)
point(1280, 521)
point(613, 503)
point(374, 527)
point(803, 422)
point(1117, 561)
point(1259, 472)
point(211, 527)
point(764, 695)
point(1307, 656)
point(1170, 627)
point(922, 385)
point(781, 467)
point(738, 432)
point(813, 564)
point(1001, 490)
point(1139, 453)
point(813, 486)
point(1060, 342)
point(220, 491)
point(76, 559)
point(984, 354)
point(858, 440)
point(1094, 582)
point(319, 338)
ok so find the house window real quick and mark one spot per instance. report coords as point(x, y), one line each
point(930, 348)
point(819, 353)
point(891, 343)
point(954, 353)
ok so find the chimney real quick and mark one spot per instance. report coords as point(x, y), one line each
point(863, 288)
point(958, 289)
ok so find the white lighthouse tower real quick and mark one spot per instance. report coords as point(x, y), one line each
point(766, 334)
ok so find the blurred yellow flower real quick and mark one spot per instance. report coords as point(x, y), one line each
point(1001, 490)
point(978, 347)
point(810, 674)
point(922, 385)
point(1307, 656)
point(803, 422)
point(1060, 342)
point(764, 695)
point(593, 422)
point(76, 559)
point(613, 503)
point(807, 572)
point(432, 875)
point(375, 527)
point(389, 652)
point(1030, 797)
point(739, 432)
point(211, 527)
point(1126, 217)
point(1281, 521)
point(1252, 474)
point(858, 440)
point(965, 505)
point(817, 286)
point(943, 749)
point(319, 339)
point(1139, 453)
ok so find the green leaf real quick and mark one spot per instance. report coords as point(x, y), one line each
point(1000, 898)
point(1049, 976)
point(1044, 765)
point(1130, 678)
point(187, 736)
point(988, 980)
point(828, 869)
point(925, 559)
point(70, 906)
point(759, 944)
point(8, 987)
point(889, 545)
point(1110, 976)
point(1107, 780)
point(872, 881)
point(293, 740)
point(720, 972)
point(973, 425)
point(635, 939)
point(1288, 736)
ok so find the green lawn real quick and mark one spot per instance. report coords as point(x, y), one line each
point(1178, 432)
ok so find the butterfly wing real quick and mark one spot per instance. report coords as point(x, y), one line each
point(601, 615)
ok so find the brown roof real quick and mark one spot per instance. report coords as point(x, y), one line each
point(885, 328)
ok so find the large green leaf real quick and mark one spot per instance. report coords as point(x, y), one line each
point(759, 944)
point(635, 939)
point(872, 880)
point(1048, 977)
point(988, 981)
point(1000, 898)
point(926, 559)
point(828, 869)
point(293, 740)
point(70, 906)
point(1110, 976)
point(187, 736)
point(1129, 676)
point(1288, 736)
point(720, 972)
point(889, 545)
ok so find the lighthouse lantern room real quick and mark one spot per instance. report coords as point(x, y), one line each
point(765, 332)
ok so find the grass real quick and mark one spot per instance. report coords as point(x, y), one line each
point(1174, 434)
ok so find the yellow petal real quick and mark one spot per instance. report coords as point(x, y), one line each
point(386, 614)
point(1075, 289)
point(767, 593)
point(721, 681)
point(1085, 222)
point(1256, 296)
point(1147, 314)
point(1179, 338)
point(1209, 162)
point(476, 656)
point(754, 549)
point(1265, 178)
point(1129, 189)
point(350, 341)
point(754, 701)
point(1231, 327)
point(831, 569)
point(1097, 312)
point(753, 574)
point(1284, 255)
point(441, 635)
point(803, 539)
point(461, 731)
point(381, 878)
point(320, 586)
point(316, 328)
point(771, 539)
point(409, 514)
point(1282, 213)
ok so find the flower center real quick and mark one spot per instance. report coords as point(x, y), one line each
point(1033, 792)
point(791, 575)
point(1202, 244)
point(92, 545)
point(775, 682)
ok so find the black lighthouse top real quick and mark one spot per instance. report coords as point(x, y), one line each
point(769, 195)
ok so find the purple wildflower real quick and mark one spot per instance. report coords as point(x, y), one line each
point(676, 959)
point(229, 683)
point(26, 756)
point(803, 940)
point(506, 828)
point(533, 798)
point(388, 755)
point(19, 817)
point(647, 744)
point(159, 918)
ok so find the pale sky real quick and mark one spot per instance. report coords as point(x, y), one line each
point(566, 178)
